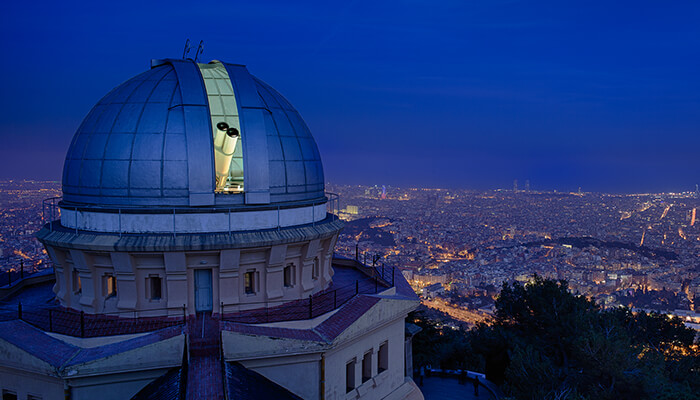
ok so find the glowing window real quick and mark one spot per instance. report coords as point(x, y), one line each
point(77, 285)
point(249, 282)
point(110, 285)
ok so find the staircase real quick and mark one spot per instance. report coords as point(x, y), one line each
point(205, 370)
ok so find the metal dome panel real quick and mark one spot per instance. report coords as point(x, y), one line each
point(149, 142)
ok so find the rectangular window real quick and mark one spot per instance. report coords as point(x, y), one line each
point(156, 287)
point(249, 282)
point(350, 376)
point(33, 397)
point(316, 269)
point(110, 283)
point(9, 395)
point(367, 367)
point(383, 357)
point(289, 275)
point(77, 285)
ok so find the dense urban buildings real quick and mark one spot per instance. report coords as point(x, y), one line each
point(459, 246)
point(639, 250)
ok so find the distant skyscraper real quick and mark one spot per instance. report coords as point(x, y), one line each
point(527, 185)
point(383, 192)
point(515, 185)
point(697, 191)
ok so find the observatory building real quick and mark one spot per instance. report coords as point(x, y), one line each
point(193, 258)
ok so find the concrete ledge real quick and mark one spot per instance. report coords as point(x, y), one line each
point(85, 240)
point(34, 279)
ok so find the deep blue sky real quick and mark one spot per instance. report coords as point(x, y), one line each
point(603, 95)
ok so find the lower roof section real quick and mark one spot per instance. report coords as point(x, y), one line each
point(169, 386)
point(244, 384)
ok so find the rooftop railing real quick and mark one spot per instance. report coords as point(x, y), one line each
point(19, 270)
point(377, 279)
point(70, 322)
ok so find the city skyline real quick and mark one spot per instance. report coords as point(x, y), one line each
point(601, 97)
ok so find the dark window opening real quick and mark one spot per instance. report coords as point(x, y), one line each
point(316, 269)
point(350, 376)
point(156, 287)
point(289, 275)
point(383, 357)
point(367, 367)
point(9, 395)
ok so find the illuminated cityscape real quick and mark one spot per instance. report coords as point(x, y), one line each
point(341, 201)
point(640, 250)
point(21, 211)
point(470, 242)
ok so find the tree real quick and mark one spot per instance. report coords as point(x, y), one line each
point(547, 343)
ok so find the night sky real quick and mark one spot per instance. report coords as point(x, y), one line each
point(599, 95)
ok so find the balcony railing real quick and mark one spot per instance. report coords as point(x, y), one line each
point(80, 324)
point(19, 270)
point(377, 279)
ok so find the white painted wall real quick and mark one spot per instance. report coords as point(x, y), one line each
point(382, 383)
point(191, 222)
point(24, 383)
point(298, 374)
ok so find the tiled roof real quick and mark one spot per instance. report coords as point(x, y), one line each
point(37, 343)
point(94, 353)
point(351, 311)
point(58, 353)
point(324, 332)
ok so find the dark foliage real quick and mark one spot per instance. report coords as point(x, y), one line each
point(546, 343)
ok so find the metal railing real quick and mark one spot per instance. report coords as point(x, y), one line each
point(333, 204)
point(377, 279)
point(51, 212)
point(23, 269)
point(80, 324)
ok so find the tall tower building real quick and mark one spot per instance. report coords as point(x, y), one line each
point(193, 257)
point(515, 185)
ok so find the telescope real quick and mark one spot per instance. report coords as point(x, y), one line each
point(225, 142)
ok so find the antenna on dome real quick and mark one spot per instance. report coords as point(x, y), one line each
point(200, 49)
point(187, 49)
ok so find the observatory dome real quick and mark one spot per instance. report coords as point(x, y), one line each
point(189, 134)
